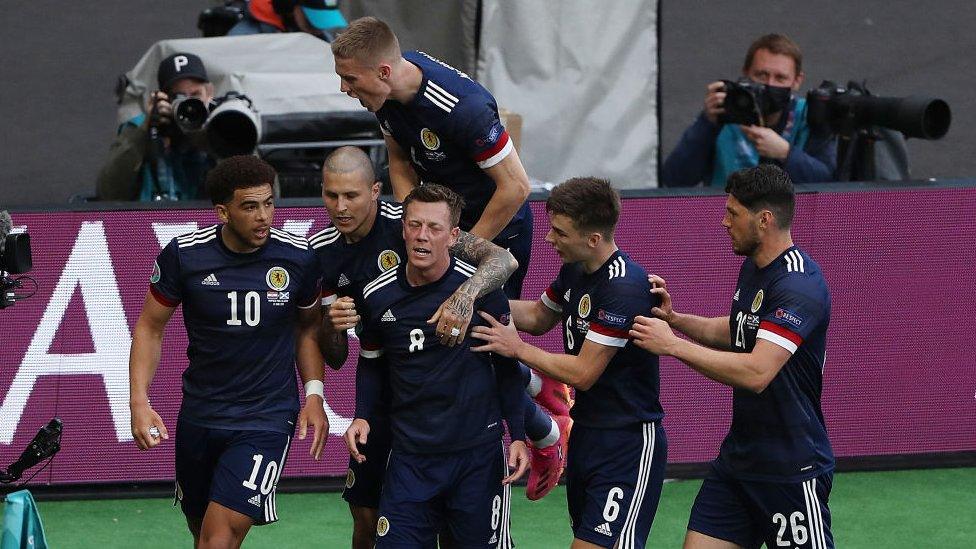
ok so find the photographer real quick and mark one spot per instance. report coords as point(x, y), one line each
point(151, 158)
point(710, 150)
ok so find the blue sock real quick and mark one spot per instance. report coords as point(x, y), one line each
point(539, 427)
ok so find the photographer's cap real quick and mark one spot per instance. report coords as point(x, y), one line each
point(323, 14)
point(179, 66)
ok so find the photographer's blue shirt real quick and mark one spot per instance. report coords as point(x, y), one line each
point(180, 171)
point(240, 312)
point(452, 133)
point(707, 152)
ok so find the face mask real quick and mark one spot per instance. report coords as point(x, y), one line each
point(777, 98)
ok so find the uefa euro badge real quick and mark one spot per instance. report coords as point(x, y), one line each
point(382, 526)
point(388, 259)
point(757, 302)
point(430, 139)
point(156, 274)
point(584, 306)
point(277, 278)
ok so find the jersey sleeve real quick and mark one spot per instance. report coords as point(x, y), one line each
point(164, 283)
point(511, 389)
point(554, 294)
point(370, 340)
point(482, 136)
point(614, 307)
point(794, 312)
point(308, 293)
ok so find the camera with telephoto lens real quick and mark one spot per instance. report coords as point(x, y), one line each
point(844, 111)
point(231, 123)
point(747, 102)
point(189, 113)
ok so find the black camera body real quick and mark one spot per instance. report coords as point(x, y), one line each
point(189, 113)
point(846, 110)
point(15, 258)
point(744, 102)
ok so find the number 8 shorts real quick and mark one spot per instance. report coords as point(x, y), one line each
point(237, 469)
point(613, 483)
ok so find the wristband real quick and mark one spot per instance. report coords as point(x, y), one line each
point(314, 387)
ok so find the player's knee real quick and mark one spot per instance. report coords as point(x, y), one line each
point(220, 539)
point(363, 526)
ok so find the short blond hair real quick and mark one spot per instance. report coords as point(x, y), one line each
point(367, 39)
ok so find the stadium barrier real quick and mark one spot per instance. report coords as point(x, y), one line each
point(899, 375)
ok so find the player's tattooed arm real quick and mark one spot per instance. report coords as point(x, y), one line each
point(495, 265)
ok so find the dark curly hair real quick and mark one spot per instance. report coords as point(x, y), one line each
point(237, 172)
point(765, 187)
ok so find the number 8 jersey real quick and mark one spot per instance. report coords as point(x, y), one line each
point(240, 313)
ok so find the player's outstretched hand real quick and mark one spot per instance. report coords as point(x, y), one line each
point(147, 427)
point(356, 435)
point(652, 334)
point(499, 338)
point(342, 315)
point(518, 459)
point(313, 413)
point(659, 287)
point(453, 317)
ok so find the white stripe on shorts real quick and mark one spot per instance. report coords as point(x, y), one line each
point(627, 535)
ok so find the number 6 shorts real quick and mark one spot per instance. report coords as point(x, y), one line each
point(613, 483)
point(237, 469)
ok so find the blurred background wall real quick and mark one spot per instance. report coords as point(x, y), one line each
point(60, 61)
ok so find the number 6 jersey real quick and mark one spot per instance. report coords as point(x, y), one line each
point(240, 313)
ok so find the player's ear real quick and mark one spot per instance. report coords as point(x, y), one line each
point(594, 240)
point(221, 212)
point(455, 234)
point(374, 191)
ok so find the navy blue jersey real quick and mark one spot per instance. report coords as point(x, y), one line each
point(779, 434)
point(452, 133)
point(601, 306)
point(346, 267)
point(444, 399)
point(240, 313)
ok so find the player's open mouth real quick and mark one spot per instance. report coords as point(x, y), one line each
point(261, 233)
point(343, 219)
point(423, 252)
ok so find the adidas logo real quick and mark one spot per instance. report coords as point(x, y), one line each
point(494, 538)
point(211, 280)
point(736, 296)
point(388, 317)
point(343, 280)
point(566, 296)
point(255, 500)
point(604, 529)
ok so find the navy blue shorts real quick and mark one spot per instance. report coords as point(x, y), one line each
point(237, 469)
point(364, 481)
point(460, 493)
point(750, 513)
point(613, 483)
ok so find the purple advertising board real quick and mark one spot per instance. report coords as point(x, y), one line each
point(900, 376)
